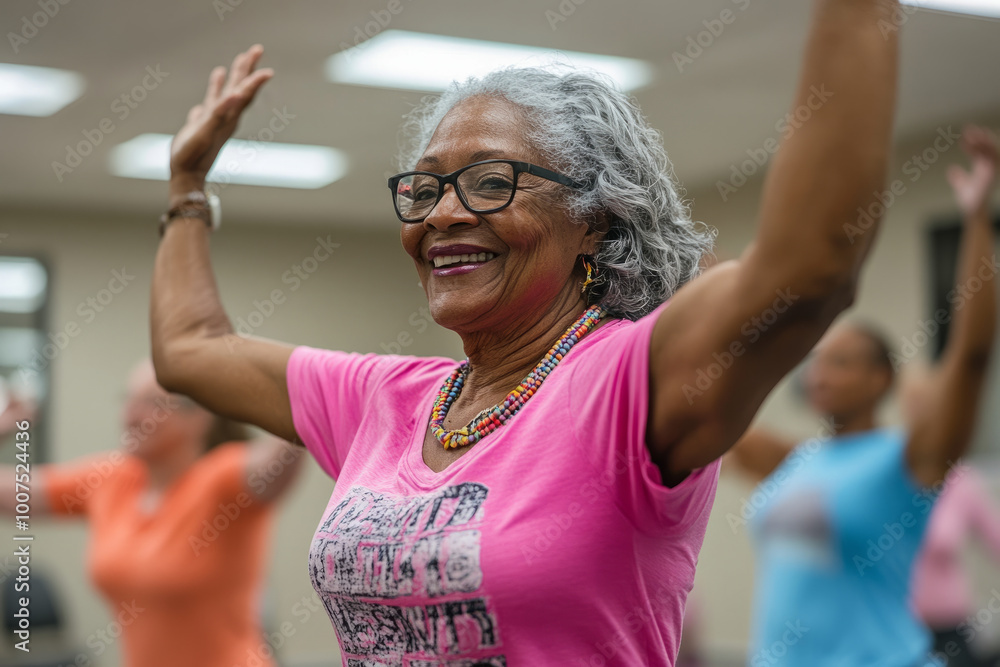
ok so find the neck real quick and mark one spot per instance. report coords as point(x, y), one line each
point(857, 423)
point(499, 359)
point(163, 472)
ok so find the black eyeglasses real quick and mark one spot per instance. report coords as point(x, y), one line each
point(482, 187)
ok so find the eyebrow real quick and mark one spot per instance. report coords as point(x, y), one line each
point(433, 160)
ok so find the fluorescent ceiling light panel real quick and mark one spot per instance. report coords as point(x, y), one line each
point(418, 61)
point(990, 8)
point(37, 91)
point(22, 285)
point(244, 162)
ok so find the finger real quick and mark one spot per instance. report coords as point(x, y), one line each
point(233, 69)
point(194, 112)
point(243, 64)
point(215, 81)
point(956, 175)
point(238, 99)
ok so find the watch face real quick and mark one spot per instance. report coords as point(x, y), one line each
point(216, 208)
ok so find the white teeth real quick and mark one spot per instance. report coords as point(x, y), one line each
point(445, 260)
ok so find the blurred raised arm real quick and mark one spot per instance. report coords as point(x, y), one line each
point(195, 350)
point(941, 433)
point(758, 316)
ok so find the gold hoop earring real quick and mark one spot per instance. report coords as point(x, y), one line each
point(591, 271)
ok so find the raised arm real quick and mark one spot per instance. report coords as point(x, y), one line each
point(749, 321)
point(272, 466)
point(195, 350)
point(941, 433)
point(759, 453)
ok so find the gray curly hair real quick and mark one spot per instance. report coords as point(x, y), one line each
point(596, 135)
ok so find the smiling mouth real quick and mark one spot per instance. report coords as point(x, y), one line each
point(442, 261)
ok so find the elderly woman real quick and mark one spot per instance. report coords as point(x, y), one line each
point(542, 502)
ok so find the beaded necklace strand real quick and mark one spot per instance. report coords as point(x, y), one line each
point(493, 418)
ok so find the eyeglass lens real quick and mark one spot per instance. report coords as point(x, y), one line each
point(485, 187)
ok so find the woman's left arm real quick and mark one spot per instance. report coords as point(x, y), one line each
point(941, 433)
point(731, 335)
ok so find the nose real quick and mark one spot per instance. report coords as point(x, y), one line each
point(449, 212)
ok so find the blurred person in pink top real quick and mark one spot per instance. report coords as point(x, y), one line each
point(942, 594)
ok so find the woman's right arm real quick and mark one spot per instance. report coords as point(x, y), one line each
point(194, 347)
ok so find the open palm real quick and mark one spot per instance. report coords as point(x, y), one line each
point(212, 122)
point(973, 188)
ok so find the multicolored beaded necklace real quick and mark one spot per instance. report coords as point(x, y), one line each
point(493, 418)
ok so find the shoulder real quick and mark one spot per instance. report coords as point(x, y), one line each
point(332, 366)
point(618, 339)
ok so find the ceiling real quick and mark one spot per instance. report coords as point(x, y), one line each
point(725, 102)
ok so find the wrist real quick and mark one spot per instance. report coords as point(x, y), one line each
point(180, 186)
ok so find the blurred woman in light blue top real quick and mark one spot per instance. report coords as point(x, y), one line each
point(839, 520)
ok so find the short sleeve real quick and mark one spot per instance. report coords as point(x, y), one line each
point(328, 391)
point(69, 487)
point(610, 394)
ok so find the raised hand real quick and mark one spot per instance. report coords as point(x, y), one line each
point(973, 188)
point(212, 122)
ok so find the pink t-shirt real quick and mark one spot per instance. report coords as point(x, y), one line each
point(941, 594)
point(551, 542)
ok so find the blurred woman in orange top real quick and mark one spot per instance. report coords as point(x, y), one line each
point(179, 520)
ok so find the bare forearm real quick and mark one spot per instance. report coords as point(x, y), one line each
point(943, 432)
point(974, 319)
point(185, 300)
point(9, 489)
point(834, 163)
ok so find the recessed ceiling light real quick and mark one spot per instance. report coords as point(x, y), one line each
point(244, 162)
point(37, 91)
point(418, 61)
point(989, 8)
